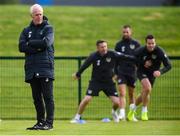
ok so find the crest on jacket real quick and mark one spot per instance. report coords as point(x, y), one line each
point(132, 46)
point(154, 56)
point(108, 59)
point(41, 32)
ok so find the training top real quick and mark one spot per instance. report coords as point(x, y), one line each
point(155, 58)
point(126, 46)
point(103, 66)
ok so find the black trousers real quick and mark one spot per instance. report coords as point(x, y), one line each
point(42, 93)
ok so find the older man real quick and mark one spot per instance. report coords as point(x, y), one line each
point(36, 42)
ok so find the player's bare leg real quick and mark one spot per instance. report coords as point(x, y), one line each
point(131, 95)
point(146, 90)
point(115, 106)
point(138, 100)
point(132, 106)
point(122, 100)
point(131, 98)
point(84, 103)
point(81, 108)
point(144, 97)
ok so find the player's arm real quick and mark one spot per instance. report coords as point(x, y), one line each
point(48, 39)
point(123, 56)
point(166, 63)
point(137, 53)
point(138, 44)
point(117, 49)
point(116, 69)
point(85, 65)
point(23, 44)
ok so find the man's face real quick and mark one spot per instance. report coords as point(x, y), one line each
point(102, 48)
point(126, 32)
point(150, 44)
point(37, 16)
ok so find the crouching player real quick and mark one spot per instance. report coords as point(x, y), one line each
point(149, 60)
point(103, 62)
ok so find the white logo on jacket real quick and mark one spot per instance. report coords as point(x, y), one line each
point(29, 34)
point(90, 91)
point(98, 62)
point(123, 48)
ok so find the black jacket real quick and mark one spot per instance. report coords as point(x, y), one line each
point(126, 46)
point(156, 57)
point(103, 66)
point(37, 44)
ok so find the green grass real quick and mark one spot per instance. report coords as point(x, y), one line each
point(78, 28)
point(94, 128)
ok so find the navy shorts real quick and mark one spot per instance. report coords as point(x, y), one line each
point(142, 75)
point(129, 80)
point(95, 87)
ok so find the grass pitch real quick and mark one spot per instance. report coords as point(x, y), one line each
point(61, 127)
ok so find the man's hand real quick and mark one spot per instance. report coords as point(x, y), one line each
point(74, 76)
point(157, 73)
point(114, 78)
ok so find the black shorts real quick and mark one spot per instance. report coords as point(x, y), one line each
point(129, 80)
point(142, 75)
point(95, 87)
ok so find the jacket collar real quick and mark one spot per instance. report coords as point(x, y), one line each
point(126, 40)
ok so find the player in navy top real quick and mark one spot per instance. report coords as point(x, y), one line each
point(149, 60)
point(126, 70)
point(103, 62)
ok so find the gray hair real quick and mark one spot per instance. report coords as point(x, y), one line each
point(35, 6)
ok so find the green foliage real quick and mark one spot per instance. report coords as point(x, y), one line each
point(78, 28)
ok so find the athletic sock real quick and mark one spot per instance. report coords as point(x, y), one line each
point(144, 109)
point(132, 107)
point(77, 116)
point(122, 112)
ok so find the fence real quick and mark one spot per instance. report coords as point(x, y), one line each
point(16, 101)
